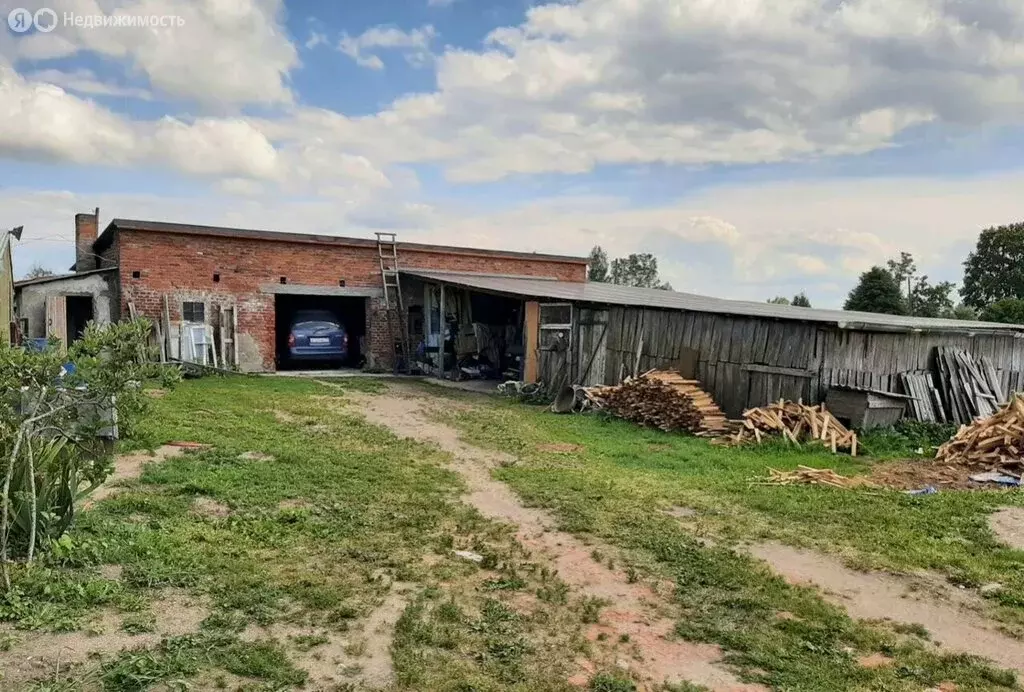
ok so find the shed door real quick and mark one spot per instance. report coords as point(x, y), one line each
point(592, 352)
point(556, 344)
point(57, 318)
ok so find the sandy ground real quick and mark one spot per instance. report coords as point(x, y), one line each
point(948, 613)
point(635, 610)
point(36, 656)
point(129, 467)
point(362, 656)
point(1008, 525)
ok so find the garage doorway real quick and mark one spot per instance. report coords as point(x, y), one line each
point(305, 339)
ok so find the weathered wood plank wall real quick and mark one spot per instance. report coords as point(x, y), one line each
point(749, 361)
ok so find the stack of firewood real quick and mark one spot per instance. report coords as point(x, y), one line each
point(662, 399)
point(993, 442)
point(796, 422)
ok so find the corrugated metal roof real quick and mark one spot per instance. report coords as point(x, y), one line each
point(610, 294)
point(61, 277)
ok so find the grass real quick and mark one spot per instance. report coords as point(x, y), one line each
point(333, 512)
point(619, 485)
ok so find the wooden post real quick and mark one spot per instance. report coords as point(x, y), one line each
point(531, 335)
point(443, 336)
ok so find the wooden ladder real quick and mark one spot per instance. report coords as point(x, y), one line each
point(387, 251)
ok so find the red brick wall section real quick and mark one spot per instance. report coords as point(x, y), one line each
point(182, 266)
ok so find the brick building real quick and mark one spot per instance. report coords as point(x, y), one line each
point(243, 282)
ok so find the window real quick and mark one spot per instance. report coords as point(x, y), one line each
point(193, 312)
point(216, 277)
point(136, 274)
point(284, 279)
point(341, 282)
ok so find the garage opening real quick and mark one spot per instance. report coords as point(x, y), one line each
point(319, 332)
point(461, 334)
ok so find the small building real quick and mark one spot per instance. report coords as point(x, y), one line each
point(61, 306)
point(744, 353)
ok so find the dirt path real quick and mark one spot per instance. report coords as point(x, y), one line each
point(949, 617)
point(635, 614)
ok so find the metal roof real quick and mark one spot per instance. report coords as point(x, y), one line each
point(107, 236)
point(610, 294)
point(61, 277)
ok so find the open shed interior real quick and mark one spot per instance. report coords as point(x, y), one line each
point(350, 311)
point(461, 334)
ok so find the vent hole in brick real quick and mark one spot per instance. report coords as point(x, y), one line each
point(341, 282)
point(136, 275)
point(216, 277)
point(284, 279)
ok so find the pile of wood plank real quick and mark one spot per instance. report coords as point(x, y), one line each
point(970, 387)
point(995, 443)
point(805, 475)
point(925, 403)
point(661, 399)
point(796, 422)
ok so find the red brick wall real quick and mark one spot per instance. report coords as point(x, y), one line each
point(183, 266)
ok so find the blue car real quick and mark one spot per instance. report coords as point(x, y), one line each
point(317, 335)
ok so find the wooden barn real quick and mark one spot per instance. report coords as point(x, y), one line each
point(746, 354)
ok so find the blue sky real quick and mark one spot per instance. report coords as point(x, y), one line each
point(757, 147)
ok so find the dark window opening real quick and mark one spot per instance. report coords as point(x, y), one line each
point(193, 312)
point(216, 277)
point(136, 274)
point(341, 282)
point(284, 279)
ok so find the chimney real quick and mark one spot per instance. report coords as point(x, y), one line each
point(86, 230)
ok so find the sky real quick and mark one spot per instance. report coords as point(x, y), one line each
point(756, 147)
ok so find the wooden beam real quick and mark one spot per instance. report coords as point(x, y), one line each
point(773, 370)
point(531, 334)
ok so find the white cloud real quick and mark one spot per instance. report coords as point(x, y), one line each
point(414, 44)
point(315, 39)
point(225, 53)
point(42, 121)
point(85, 82)
point(594, 82)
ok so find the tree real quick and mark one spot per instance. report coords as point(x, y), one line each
point(1007, 311)
point(639, 270)
point(597, 265)
point(902, 269)
point(921, 297)
point(877, 291)
point(778, 300)
point(801, 300)
point(962, 312)
point(928, 300)
point(994, 271)
point(38, 271)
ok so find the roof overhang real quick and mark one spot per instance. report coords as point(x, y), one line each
point(627, 296)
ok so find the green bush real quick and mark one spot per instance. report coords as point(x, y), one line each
point(905, 439)
point(52, 454)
